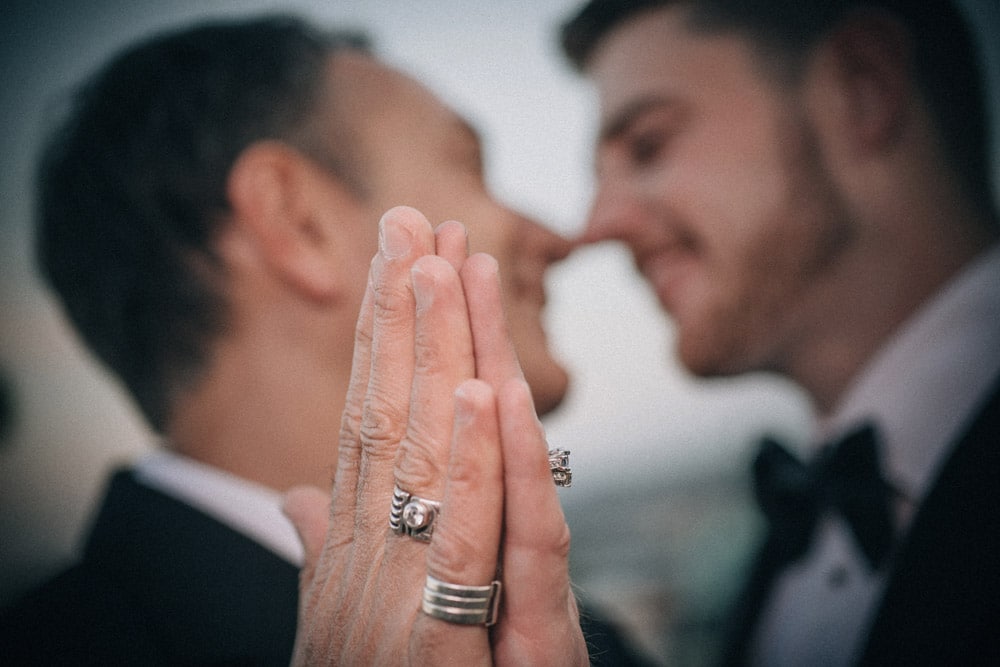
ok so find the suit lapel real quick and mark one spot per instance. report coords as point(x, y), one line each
point(942, 601)
point(944, 590)
point(745, 613)
point(210, 593)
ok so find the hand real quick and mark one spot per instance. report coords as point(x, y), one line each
point(437, 405)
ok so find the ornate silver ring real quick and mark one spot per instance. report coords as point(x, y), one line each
point(412, 515)
point(559, 466)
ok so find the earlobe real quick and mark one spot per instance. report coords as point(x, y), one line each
point(271, 194)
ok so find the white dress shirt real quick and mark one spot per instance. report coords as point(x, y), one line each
point(246, 507)
point(920, 390)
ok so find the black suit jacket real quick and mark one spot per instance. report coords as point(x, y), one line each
point(161, 583)
point(942, 600)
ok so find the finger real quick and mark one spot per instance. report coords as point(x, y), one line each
point(345, 486)
point(404, 235)
point(467, 539)
point(443, 359)
point(536, 529)
point(536, 537)
point(452, 243)
point(496, 359)
point(465, 551)
point(308, 508)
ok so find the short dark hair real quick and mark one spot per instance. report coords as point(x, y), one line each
point(948, 69)
point(132, 186)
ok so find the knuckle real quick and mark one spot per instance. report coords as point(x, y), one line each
point(393, 304)
point(420, 464)
point(455, 558)
point(432, 352)
point(381, 425)
point(367, 524)
point(349, 426)
point(468, 474)
point(363, 334)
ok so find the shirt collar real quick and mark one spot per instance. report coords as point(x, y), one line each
point(248, 508)
point(925, 382)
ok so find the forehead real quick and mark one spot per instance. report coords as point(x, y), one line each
point(655, 58)
point(379, 101)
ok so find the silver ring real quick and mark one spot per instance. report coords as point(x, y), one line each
point(559, 466)
point(412, 515)
point(464, 605)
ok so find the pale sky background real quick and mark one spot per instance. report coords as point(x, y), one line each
point(632, 413)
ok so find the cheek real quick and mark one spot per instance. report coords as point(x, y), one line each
point(759, 285)
point(747, 252)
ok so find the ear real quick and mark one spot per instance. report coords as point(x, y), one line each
point(868, 60)
point(283, 202)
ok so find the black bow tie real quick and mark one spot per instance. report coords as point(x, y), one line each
point(844, 477)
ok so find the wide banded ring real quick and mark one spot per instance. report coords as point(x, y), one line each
point(412, 515)
point(464, 605)
point(559, 466)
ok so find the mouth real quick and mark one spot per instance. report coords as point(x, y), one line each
point(666, 269)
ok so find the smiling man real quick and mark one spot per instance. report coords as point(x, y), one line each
point(806, 189)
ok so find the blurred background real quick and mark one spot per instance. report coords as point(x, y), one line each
point(660, 507)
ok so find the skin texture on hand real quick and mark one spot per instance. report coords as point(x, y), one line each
point(437, 403)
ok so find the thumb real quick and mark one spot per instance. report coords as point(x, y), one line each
point(308, 508)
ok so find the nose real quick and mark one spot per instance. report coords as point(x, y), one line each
point(614, 215)
point(542, 242)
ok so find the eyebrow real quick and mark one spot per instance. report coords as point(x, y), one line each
point(616, 125)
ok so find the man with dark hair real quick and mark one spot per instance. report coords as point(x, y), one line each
point(805, 186)
point(207, 215)
point(868, 276)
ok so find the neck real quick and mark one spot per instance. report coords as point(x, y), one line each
point(876, 292)
point(267, 413)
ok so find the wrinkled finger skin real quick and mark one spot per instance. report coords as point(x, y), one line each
point(498, 481)
point(358, 608)
point(360, 601)
point(436, 402)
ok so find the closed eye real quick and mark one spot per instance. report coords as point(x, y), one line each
point(644, 130)
point(646, 147)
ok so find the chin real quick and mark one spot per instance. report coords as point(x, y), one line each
point(714, 360)
point(549, 387)
point(696, 359)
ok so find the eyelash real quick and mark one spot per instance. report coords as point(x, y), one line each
point(644, 148)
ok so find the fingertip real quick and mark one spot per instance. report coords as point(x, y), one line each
point(308, 509)
point(471, 396)
point(452, 232)
point(401, 229)
point(430, 273)
point(404, 215)
point(432, 265)
point(452, 242)
point(302, 502)
point(481, 265)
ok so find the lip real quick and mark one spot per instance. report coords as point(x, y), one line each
point(666, 271)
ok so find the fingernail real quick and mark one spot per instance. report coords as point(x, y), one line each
point(463, 407)
point(393, 239)
point(423, 288)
